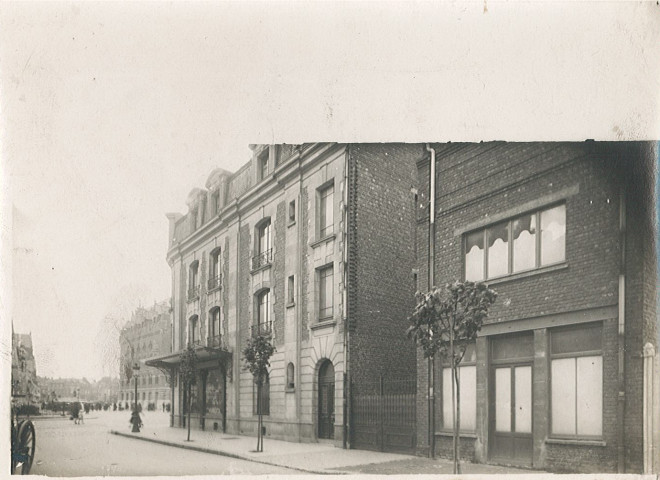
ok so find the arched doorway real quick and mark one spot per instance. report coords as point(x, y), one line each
point(327, 400)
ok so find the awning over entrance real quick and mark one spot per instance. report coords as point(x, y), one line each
point(170, 362)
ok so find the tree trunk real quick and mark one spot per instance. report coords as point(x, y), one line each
point(189, 402)
point(258, 416)
point(457, 379)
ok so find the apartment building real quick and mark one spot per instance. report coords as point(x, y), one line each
point(313, 243)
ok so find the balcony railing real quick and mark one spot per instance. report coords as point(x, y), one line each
point(265, 328)
point(262, 259)
point(195, 343)
point(193, 293)
point(215, 282)
point(214, 341)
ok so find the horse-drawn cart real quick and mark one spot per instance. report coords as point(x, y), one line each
point(23, 443)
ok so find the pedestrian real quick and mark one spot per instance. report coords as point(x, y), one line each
point(136, 421)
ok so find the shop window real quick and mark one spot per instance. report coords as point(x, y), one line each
point(467, 372)
point(325, 276)
point(264, 405)
point(516, 245)
point(577, 381)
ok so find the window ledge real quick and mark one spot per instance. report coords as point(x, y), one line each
point(529, 273)
point(260, 269)
point(325, 239)
point(291, 223)
point(215, 289)
point(289, 390)
point(290, 304)
point(576, 441)
point(444, 433)
point(323, 324)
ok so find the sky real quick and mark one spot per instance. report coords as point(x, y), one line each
point(111, 113)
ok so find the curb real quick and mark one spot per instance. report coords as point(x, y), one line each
point(224, 454)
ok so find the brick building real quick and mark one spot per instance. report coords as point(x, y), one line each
point(147, 334)
point(561, 376)
point(314, 243)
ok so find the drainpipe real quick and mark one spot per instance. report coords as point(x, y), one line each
point(298, 286)
point(621, 334)
point(431, 366)
point(346, 384)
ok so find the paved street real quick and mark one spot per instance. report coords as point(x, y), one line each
point(66, 449)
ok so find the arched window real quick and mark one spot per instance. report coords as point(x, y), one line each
point(290, 378)
point(262, 321)
point(264, 405)
point(215, 267)
point(263, 247)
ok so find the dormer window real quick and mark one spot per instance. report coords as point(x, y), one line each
point(262, 164)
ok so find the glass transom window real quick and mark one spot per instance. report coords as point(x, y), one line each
point(516, 245)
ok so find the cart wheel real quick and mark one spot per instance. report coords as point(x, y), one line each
point(26, 445)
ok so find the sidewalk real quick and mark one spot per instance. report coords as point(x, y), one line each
point(317, 458)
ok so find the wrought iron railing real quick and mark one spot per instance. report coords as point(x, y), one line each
point(193, 293)
point(195, 343)
point(214, 341)
point(265, 328)
point(215, 282)
point(262, 259)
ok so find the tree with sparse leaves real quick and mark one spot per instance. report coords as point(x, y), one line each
point(257, 355)
point(445, 321)
point(188, 372)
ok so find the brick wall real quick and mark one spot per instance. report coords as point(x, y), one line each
point(478, 181)
point(382, 290)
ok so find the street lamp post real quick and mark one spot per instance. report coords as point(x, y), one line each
point(136, 415)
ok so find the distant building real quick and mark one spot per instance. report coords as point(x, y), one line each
point(66, 389)
point(24, 386)
point(147, 334)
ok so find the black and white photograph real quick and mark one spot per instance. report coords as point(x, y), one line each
point(330, 238)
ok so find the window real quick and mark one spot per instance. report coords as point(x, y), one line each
point(290, 378)
point(262, 323)
point(326, 218)
point(215, 275)
point(577, 381)
point(467, 374)
point(193, 287)
point(292, 212)
point(192, 330)
point(215, 201)
point(264, 404)
point(325, 292)
point(263, 246)
point(515, 246)
point(193, 218)
point(291, 294)
point(214, 333)
point(262, 161)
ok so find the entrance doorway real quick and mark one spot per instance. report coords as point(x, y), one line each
point(511, 400)
point(327, 400)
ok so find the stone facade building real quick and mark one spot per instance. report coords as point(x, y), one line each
point(562, 374)
point(315, 244)
point(24, 385)
point(147, 334)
